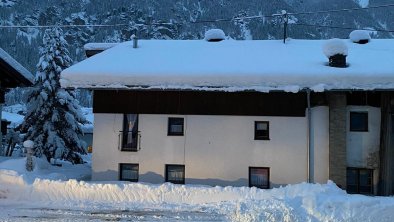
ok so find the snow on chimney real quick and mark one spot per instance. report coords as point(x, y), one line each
point(336, 51)
point(360, 36)
point(214, 35)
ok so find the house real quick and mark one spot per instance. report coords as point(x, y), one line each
point(12, 74)
point(87, 129)
point(244, 113)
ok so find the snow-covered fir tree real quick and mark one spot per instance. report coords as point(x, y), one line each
point(53, 114)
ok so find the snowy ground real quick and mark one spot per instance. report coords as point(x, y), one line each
point(48, 194)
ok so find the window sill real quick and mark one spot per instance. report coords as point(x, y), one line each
point(260, 187)
point(175, 134)
point(176, 182)
point(129, 150)
point(262, 139)
point(133, 181)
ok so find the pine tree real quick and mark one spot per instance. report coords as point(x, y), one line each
point(53, 114)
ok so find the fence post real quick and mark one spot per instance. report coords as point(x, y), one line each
point(285, 18)
point(28, 144)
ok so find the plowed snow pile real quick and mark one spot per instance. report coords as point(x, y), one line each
point(300, 202)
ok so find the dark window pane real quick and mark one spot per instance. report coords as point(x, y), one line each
point(359, 181)
point(175, 174)
point(358, 121)
point(259, 177)
point(130, 132)
point(261, 130)
point(365, 190)
point(176, 129)
point(175, 126)
point(352, 189)
point(351, 177)
point(365, 178)
point(129, 172)
point(365, 181)
point(352, 180)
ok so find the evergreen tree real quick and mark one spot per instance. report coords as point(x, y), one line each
point(53, 114)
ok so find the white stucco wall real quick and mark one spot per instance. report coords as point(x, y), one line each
point(361, 146)
point(320, 135)
point(216, 150)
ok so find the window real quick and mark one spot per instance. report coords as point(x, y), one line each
point(261, 130)
point(175, 174)
point(130, 133)
point(259, 177)
point(359, 121)
point(128, 172)
point(359, 180)
point(175, 126)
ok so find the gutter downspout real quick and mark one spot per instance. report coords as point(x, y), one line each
point(1, 134)
point(311, 151)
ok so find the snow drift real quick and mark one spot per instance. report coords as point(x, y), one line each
point(300, 202)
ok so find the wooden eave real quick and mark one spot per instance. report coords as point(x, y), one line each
point(11, 78)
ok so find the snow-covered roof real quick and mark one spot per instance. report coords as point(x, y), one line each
point(92, 49)
point(23, 75)
point(14, 118)
point(230, 65)
point(99, 46)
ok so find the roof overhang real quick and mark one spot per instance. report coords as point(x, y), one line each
point(12, 73)
point(220, 89)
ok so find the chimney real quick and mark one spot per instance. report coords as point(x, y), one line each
point(214, 35)
point(336, 51)
point(360, 36)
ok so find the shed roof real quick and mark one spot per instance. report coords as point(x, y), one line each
point(230, 65)
point(13, 74)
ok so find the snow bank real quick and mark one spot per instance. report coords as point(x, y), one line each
point(300, 202)
point(335, 46)
point(357, 35)
point(43, 170)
